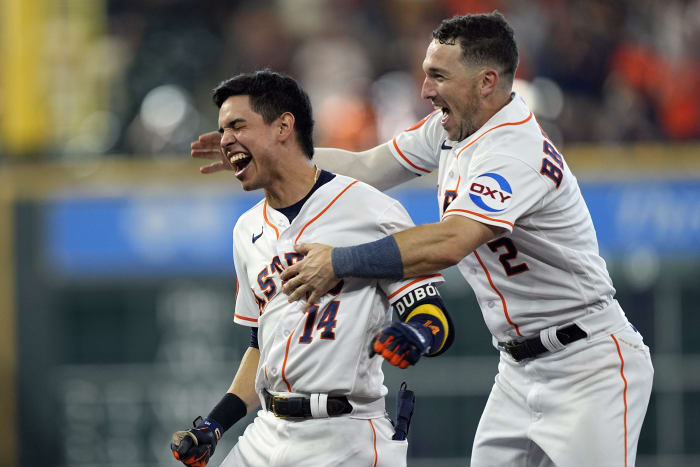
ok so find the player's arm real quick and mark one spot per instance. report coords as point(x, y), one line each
point(424, 328)
point(430, 248)
point(417, 251)
point(194, 447)
point(376, 166)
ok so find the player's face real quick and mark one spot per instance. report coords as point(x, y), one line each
point(452, 88)
point(246, 143)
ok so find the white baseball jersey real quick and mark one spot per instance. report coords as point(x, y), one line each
point(545, 269)
point(321, 348)
point(583, 402)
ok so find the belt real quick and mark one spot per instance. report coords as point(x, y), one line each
point(300, 407)
point(530, 348)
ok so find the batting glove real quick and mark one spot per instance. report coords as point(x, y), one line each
point(194, 447)
point(402, 344)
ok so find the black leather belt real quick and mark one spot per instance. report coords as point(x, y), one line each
point(300, 407)
point(530, 348)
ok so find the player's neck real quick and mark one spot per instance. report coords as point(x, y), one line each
point(295, 182)
point(492, 106)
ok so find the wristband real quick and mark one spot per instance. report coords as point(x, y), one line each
point(212, 424)
point(228, 411)
point(374, 260)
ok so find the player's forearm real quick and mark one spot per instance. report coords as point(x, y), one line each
point(430, 248)
point(376, 166)
point(243, 384)
point(414, 252)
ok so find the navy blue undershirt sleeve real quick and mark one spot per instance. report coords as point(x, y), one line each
point(254, 338)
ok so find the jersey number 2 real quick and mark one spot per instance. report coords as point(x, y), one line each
point(510, 254)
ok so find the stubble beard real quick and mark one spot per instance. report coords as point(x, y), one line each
point(469, 124)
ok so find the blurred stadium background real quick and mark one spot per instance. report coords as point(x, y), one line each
point(116, 279)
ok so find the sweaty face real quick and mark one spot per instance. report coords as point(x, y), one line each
point(452, 88)
point(246, 142)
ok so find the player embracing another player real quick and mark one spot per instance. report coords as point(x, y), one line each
point(574, 377)
point(311, 365)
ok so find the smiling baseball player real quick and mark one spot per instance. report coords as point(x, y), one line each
point(308, 364)
point(575, 377)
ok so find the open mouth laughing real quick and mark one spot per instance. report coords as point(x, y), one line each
point(239, 161)
point(445, 113)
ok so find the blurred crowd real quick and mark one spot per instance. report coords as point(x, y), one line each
point(602, 71)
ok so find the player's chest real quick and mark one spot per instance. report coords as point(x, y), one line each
point(264, 262)
point(450, 180)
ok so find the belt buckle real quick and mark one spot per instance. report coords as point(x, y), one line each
point(274, 409)
point(511, 347)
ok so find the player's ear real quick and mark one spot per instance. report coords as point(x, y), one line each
point(285, 126)
point(488, 81)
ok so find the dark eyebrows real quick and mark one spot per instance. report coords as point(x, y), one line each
point(432, 71)
point(232, 123)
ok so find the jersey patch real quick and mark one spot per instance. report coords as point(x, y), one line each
point(491, 192)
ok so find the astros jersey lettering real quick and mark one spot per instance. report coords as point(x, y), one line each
point(545, 269)
point(321, 348)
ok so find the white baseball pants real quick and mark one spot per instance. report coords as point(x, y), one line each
point(338, 441)
point(582, 406)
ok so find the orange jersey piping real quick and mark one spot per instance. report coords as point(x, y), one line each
point(503, 300)
point(284, 364)
point(254, 320)
point(624, 391)
point(277, 232)
point(480, 215)
point(413, 282)
point(420, 124)
point(396, 146)
point(324, 210)
point(374, 440)
point(491, 129)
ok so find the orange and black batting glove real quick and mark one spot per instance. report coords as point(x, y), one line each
point(402, 344)
point(194, 447)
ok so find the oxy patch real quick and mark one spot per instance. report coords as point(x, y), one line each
point(491, 192)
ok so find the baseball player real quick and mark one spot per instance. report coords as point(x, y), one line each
point(308, 363)
point(574, 376)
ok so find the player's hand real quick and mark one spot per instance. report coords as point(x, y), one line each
point(194, 447)
point(312, 277)
point(208, 146)
point(402, 344)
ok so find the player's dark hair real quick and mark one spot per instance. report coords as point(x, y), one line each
point(484, 38)
point(272, 94)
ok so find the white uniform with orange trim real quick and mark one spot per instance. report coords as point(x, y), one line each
point(588, 400)
point(321, 349)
